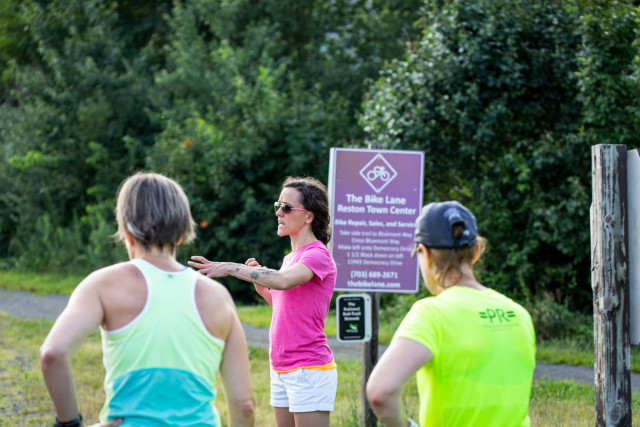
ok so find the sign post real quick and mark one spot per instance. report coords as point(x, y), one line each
point(369, 360)
point(375, 198)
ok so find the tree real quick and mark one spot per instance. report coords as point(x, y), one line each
point(609, 73)
point(227, 97)
point(78, 128)
point(492, 94)
point(248, 97)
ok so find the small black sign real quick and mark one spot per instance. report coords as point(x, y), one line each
point(354, 317)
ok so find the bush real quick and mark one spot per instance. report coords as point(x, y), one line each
point(505, 98)
point(555, 321)
point(65, 250)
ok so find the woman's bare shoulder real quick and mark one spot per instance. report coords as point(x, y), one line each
point(113, 275)
point(216, 307)
point(212, 289)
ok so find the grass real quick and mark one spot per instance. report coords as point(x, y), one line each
point(577, 353)
point(24, 399)
point(39, 283)
point(566, 403)
point(560, 351)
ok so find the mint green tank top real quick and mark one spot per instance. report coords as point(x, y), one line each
point(161, 367)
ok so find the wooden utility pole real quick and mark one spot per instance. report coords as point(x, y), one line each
point(610, 283)
point(369, 360)
point(369, 354)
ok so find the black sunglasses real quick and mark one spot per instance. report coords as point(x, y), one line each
point(286, 208)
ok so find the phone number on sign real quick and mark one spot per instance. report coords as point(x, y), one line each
point(374, 274)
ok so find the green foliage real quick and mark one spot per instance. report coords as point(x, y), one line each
point(555, 321)
point(230, 97)
point(495, 93)
point(78, 129)
point(260, 90)
point(39, 283)
point(15, 45)
point(576, 352)
point(67, 250)
point(239, 114)
point(561, 390)
point(609, 84)
point(567, 351)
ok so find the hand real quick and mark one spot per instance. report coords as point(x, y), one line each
point(263, 291)
point(208, 268)
point(112, 423)
point(251, 262)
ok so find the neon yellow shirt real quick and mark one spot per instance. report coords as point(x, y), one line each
point(483, 346)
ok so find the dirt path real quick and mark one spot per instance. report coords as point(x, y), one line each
point(33, 306)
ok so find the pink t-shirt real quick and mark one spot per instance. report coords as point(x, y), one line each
point(297, 326)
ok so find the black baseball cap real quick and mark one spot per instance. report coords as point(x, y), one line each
point(435, 223)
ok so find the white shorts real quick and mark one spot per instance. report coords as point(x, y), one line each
point(304, 390)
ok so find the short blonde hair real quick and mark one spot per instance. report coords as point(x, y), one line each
point(447, 262)
point(155, 210)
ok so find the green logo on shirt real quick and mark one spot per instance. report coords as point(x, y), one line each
point(497, 315)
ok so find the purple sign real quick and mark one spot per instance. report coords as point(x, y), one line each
point(375, 196)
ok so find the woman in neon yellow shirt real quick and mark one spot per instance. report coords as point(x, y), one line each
point(473, 349)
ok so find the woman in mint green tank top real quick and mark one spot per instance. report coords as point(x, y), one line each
point(167, 332)
point(472, 349)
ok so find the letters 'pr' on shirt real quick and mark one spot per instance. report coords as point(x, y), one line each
point(297, 326)
point(483, 346)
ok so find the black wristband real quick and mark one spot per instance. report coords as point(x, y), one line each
point(76, 422)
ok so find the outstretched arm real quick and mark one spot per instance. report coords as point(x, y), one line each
point(272, 279)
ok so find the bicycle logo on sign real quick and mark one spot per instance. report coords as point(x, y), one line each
point(378, 173)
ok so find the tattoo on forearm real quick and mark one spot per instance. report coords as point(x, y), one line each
point(266, 272)
point(254, 275)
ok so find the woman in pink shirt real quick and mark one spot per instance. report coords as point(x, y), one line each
point(303, 371)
